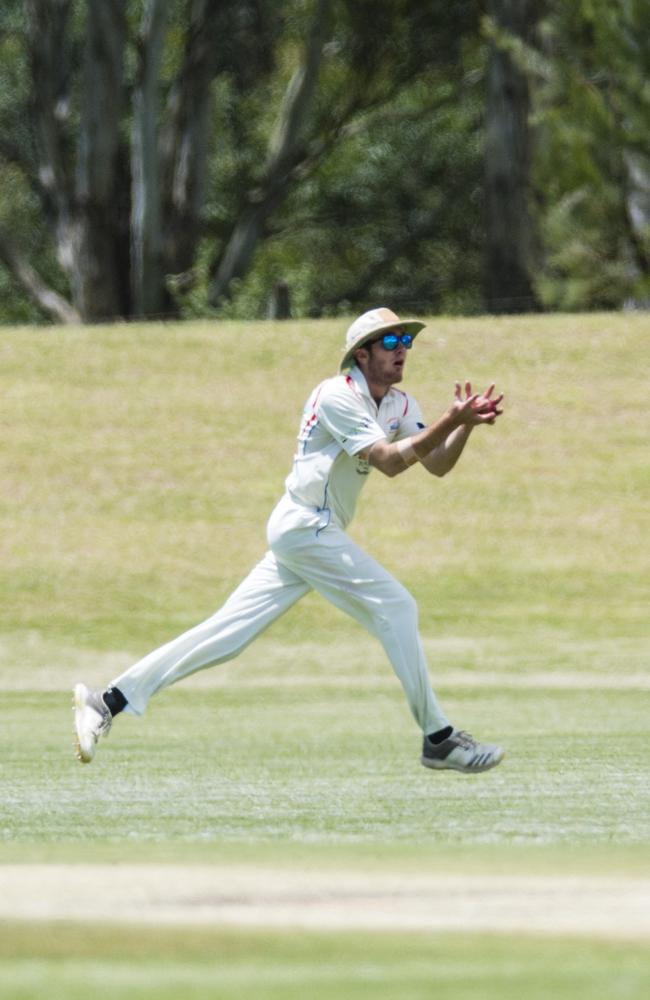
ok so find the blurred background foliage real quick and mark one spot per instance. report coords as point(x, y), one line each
point(181, 158)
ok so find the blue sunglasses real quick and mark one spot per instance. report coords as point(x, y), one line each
point(389, 341)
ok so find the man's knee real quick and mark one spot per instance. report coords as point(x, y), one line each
point(399, 610)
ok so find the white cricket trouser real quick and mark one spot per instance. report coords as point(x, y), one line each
point(306, 552)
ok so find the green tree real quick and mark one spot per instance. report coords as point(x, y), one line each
point(159, 145)
point(388, 205)
point(592, 167)
point(512, 251)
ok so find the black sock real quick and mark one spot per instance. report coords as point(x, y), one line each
point(441, 735)
point(114, 700)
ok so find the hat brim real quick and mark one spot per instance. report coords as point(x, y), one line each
point(412, 326)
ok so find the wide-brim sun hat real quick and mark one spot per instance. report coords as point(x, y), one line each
point(369, 325)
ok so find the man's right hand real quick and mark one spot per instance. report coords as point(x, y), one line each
point(475, 408)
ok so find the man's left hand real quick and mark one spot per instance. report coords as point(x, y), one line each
point(484, 407)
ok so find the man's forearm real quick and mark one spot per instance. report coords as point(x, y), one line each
point(438, 446)
point(442, 459)
point(434, 435)
point(393, 459)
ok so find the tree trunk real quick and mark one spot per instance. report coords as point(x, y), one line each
point(635, 193)
point(84, 204)
point(47, 29)
point(239, 251)
point(49, 301)
point(280, 301)
point(284, 152)
point(147, 279)
point(184, 140)
point(510, 246)
point(97, 275)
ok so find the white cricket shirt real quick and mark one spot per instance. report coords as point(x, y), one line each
point(341, 419)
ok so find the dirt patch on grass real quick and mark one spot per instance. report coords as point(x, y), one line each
point(277, 898)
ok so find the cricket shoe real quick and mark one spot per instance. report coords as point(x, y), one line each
point(92, 719)
point(460, 752)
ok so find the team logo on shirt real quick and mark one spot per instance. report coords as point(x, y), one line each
point(363, 466)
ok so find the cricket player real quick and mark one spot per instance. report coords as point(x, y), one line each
point(352, 423)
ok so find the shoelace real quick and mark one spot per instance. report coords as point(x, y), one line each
point(465, 740)
point(106, 720)
point(105, 724)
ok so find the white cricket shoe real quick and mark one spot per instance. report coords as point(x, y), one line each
point(460, 752)
point(92, 719)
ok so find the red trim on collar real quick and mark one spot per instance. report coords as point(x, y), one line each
point(351, 384)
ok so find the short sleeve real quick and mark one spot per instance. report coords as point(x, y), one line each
point(342, 413)
point(412, 421)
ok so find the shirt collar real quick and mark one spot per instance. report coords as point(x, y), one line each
point(359, 380)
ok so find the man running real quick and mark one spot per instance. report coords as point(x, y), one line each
point(351, 423)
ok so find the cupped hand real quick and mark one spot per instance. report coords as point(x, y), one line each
point(478, 407)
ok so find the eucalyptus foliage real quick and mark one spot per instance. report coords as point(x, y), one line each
point(592, 166)
point(185, 158)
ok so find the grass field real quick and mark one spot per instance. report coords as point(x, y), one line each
point(138, 467)
point(224, 964)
